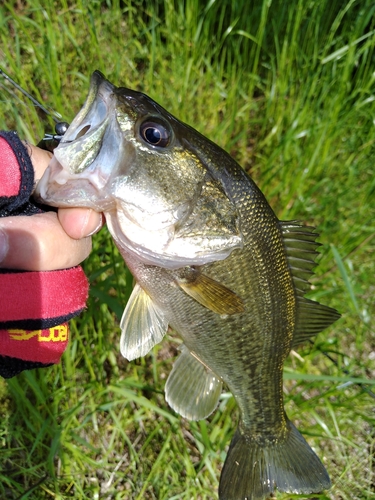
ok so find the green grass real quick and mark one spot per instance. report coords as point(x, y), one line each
point(288, 88)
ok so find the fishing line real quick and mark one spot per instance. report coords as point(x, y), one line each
point(49, 141)
point(55, 116)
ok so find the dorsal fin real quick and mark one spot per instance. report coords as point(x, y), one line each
point(300, 247)
point(312, 318)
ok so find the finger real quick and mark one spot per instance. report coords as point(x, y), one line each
point(40, 160)
point(80, 222)
point(39, 243)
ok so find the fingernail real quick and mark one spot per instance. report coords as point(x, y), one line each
point(96, 229)
point(4, 245)
point(87, 223)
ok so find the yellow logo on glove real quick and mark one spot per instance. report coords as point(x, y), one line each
point(54, 334)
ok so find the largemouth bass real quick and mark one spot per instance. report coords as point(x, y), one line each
point(211, 260)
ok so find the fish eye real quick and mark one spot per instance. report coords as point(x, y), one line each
point(155, 133)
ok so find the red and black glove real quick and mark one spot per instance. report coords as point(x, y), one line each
point(34, 306)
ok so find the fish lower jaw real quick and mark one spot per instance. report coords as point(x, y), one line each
point(74, 194)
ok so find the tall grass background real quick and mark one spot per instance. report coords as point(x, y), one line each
point(288, 88)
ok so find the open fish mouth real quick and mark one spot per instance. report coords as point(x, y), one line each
point(59, 189)
point(73, 178)
point(88, 128)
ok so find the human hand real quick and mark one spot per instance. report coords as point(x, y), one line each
point(50, 240)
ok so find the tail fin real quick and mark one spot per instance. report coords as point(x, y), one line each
point(252, 470)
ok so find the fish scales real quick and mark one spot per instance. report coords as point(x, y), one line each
point(212, 261)
point(263, 334)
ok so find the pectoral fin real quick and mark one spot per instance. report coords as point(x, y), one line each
point(143, 325)
point(192, 390)
point(212, 295)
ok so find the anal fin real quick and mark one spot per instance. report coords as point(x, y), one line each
point(142, 325)
point(192, 390)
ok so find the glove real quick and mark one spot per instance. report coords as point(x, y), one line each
point(34, 306)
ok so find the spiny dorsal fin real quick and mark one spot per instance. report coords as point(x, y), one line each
point(142, 325)
point(212, 294)
point(192, 389)
point(300, 247)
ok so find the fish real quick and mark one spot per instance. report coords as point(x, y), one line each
point(210, 260)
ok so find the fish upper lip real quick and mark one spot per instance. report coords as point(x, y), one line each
point(83, 138)
point(90, 132)
point(77, 155)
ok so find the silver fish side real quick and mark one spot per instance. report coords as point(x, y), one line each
point(211, 260)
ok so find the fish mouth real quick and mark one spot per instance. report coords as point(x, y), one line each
point(83, 140)
point(77, 174)
point(58, 188)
